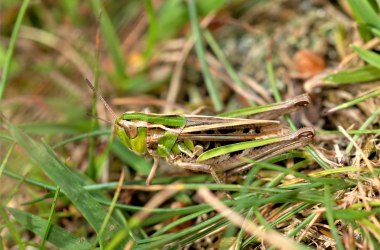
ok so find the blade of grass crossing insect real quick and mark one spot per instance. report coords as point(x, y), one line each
point(11, 47)
point(199, 47)
point(49, 222)
point(330, 217)
point(46, 159)
point(276, 94)
point(57, 235)
point(222, 58)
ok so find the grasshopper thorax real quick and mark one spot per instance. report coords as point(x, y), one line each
point(132, 134)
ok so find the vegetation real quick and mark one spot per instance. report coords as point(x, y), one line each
point(68, 183)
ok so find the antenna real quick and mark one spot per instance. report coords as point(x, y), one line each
point(101, 98)
point(99, 118)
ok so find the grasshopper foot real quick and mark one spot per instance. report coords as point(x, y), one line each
point(152, 172)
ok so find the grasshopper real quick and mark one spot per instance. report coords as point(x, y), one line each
point(211, 144)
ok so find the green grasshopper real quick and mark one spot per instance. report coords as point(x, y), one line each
point(211, 144)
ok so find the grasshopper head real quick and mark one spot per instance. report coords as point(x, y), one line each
point(131, 134)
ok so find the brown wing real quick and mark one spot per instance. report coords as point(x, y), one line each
point(211, 128)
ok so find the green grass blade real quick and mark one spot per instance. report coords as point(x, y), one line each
point(352, 214)
point(57, 235)
point(199, 47)
point(330, 217)
point(91, 170)
point(11, 48)
point(49, 222)
point(15, 234)
point(153, 30)
point(241, 235)
point(364, 12)
point(367, 123)
point(112, 41)
point(302, 225)
point(360, 75)
point(368, 56)
point(355, 101)
point(45, 158)
point(272, 80)
point(227, 65)
point(6, 158)
point(83, 136)
point(350, 132)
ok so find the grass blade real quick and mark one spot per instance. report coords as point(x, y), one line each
point(57, 235)
point(368, 56)
point(354, 101)
point(363, 12)
point(360, 75)
point(45, 158)
point(6, 158)
point(112, 40)
point(49, 222)
point(223, 59)
point(199, 47)
point(330, 217)
point(11, 48)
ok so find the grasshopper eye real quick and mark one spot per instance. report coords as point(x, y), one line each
point(129, 128)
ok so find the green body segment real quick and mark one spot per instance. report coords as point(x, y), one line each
point(166, 144)
point(166, 120)
point(168, 131)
